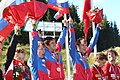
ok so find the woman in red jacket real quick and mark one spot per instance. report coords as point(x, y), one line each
point(96, 69)
point(15, 68)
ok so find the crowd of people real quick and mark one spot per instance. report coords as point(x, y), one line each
point(45, 61)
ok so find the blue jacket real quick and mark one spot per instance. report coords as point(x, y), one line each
point(36, 64)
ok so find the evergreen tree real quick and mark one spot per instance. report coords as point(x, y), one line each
point(116, 35)
point(109, 35)
point(74, 14)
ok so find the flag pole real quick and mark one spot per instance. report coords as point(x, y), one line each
point(67, 51)
point(93, 28)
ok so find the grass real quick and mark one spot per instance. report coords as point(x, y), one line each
point(63, 52)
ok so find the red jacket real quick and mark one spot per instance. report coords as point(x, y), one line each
point(54, 64)
point(111, 71)
point(97, 73)
point(55, 70)
point(17, 67)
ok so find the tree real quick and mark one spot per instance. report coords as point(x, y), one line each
point(109, 35)
point(116, 35)
point(74, 14)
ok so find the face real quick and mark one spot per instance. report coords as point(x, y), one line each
point(111, 57)
point(83, 46)
point(0, 48)
point(41, 50)
point(101, 63)
point(52, 45)
point(20, 57)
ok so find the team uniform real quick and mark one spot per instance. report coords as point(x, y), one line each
point(112, 71)
point(97, 73)
point(81, 67)
point(54, 62)
point(37, 65)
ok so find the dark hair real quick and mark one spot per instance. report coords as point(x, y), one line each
point(47, 40)
point(100, 56)
point(79, 41)
point(112, 51)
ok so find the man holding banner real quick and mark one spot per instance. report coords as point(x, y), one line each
point(54, 62)
point(36, 61)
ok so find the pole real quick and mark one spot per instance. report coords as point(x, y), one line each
point(67, 51)
point(54, 29)
point(93, 28)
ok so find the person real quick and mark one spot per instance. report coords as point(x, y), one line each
point(15, 68)
point(37, 60)
point(111, 70)
point(80, 52)
point(54, 62)
point(96, 69)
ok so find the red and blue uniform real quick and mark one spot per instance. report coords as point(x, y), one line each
point(81, 67)
point(37, 65)
point(54, 65)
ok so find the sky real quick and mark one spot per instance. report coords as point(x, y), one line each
point(110, 9)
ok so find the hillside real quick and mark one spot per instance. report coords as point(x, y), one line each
point(26, 47)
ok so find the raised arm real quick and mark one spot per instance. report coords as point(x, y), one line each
point(94, 40)
point(33, 61)
point(34, 38)
point(61, 39)
point(11, 49)
point(72, 40)
point(34, 43)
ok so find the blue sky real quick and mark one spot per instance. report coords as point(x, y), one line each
point(110, 9)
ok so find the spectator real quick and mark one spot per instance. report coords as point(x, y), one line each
point(15, 69)
point(111, 71)
point(96, 69)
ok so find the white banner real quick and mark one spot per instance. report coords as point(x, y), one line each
point(50, 26)
point(44, 26)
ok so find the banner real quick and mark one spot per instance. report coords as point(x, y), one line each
point(44, 26)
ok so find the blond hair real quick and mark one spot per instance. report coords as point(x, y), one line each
point(19, 50)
